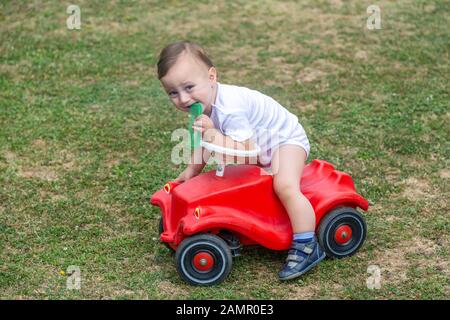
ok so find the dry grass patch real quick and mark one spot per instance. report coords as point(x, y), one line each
point(53, 197)
point(392, 174)
point(301, 292)
point(41, 172)
point(417, 189)
point(116, 158)
point(395, 263)
point(306, 106)
point(444, 173)
point(362, 55)
point(9, 156)
point(168, 289)
point(63, 162)
point(318, 70)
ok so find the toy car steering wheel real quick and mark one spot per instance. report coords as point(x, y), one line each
point(229, 152)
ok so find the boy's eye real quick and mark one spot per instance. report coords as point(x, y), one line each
point(172, 94)
point(189, 88)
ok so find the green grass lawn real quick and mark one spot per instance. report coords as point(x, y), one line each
point(85, 140)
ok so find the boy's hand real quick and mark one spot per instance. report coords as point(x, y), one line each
point(184, 176)
point(203, 123)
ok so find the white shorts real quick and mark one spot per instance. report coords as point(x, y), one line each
point(299, 138)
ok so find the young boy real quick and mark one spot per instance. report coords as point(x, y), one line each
point(235, 117)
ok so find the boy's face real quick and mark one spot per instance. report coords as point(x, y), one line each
point(189, 81)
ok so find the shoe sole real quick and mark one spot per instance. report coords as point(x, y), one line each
point(298, 274)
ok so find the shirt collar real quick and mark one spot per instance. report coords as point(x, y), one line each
point(217, 95)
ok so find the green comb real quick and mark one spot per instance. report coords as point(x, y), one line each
point(194, 111)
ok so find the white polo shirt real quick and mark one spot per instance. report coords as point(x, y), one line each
point(242, 114)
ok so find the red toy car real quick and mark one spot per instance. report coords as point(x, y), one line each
point(208, 218)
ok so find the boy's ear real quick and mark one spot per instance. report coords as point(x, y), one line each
point(212, 74)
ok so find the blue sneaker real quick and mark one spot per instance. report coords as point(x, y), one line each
point(301, 258)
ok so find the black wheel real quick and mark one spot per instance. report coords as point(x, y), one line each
point(203, 259)
point(342, 232)
point(161, 230)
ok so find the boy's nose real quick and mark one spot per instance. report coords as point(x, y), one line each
point(184, 98)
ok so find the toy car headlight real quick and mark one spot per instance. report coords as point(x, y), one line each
point(197, 213)
point(167, 188)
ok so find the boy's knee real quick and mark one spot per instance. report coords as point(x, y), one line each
point(286, 189)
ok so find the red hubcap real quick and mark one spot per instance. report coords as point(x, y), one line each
point(343, 234)
point(203, 261)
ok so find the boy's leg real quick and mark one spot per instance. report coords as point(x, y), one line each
point(288, 163)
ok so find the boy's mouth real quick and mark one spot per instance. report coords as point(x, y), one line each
point(196, 108)
point(189, 106)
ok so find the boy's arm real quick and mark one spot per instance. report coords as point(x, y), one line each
point(216, 137)
point(199, 158)
point(210, 134)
